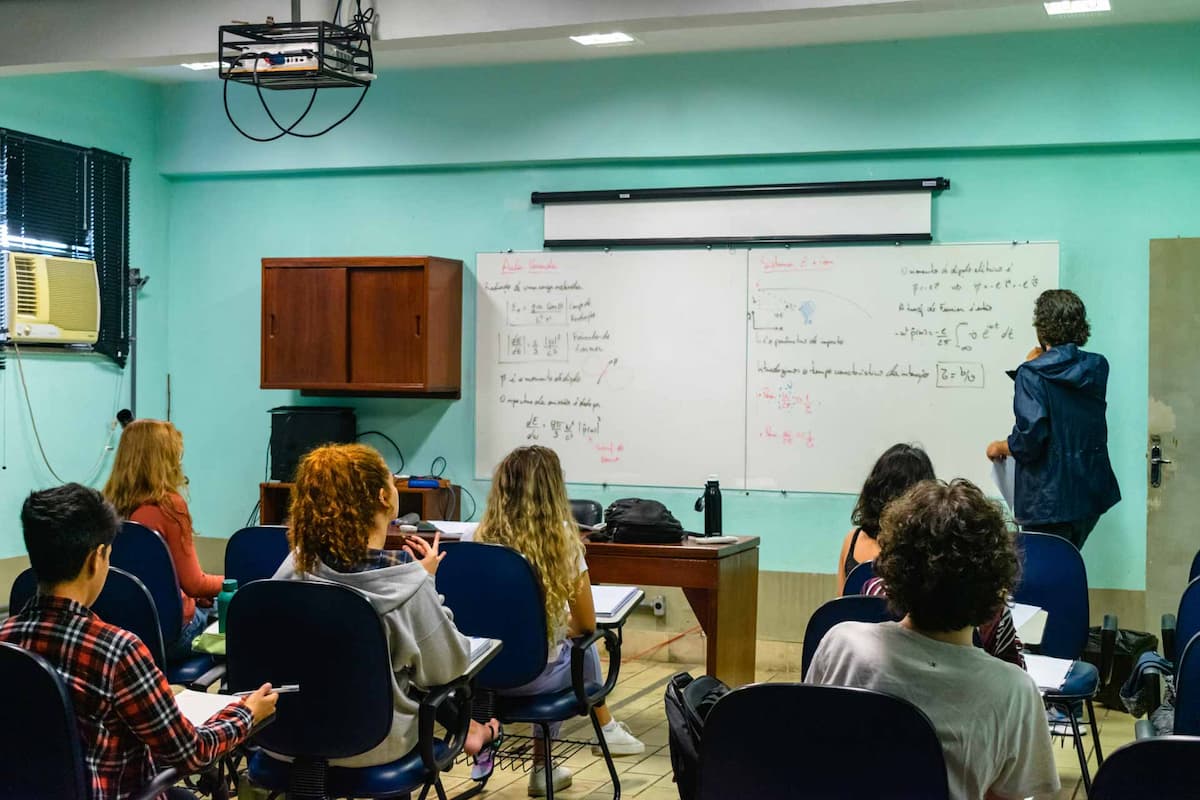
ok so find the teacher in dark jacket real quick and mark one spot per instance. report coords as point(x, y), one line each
point(1064, 480)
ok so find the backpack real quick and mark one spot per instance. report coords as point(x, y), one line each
point(636, 521)
point(688, 702)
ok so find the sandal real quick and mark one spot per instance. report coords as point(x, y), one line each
point(485, 759)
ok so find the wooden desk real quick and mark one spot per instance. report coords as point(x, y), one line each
point(441, 503)
point(719, 581)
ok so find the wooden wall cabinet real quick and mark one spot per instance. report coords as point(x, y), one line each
point(367, 326)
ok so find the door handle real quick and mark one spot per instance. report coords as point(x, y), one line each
point(1156, 462)
point(418, 325)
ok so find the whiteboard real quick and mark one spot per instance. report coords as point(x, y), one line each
point(853, 349)
point(630, 365)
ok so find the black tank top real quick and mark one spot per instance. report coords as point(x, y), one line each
point(851, 563)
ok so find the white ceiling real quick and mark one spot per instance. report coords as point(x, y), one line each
point(149, 38)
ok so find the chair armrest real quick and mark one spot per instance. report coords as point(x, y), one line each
point(1143, 729)
point(579, 648)
point(214, 674)
point(457, 735)
point(1168, 637)
point(162, 781)
point(1108, 647)
point(1151, 686)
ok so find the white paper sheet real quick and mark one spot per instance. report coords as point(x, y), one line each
point(1048, 673)
point(198, 707)
point(1004, 474)
point(1030, 622)
point(479, 649)
point(454, 530)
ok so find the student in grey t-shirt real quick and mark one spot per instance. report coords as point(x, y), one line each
point(947, 557)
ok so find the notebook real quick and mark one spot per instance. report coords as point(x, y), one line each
point(1048, 673)
point(610, 600)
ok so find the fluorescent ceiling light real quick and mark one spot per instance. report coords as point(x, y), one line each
point(615, 37)
point(1076, 6)
point(199, 65)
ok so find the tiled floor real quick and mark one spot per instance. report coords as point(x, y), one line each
point(638, 701)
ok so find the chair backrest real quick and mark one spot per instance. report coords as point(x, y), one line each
point(253, 554)
point(587, 512)
point(328, 639)
point(1187, 620)
point(40, 754)
point(142, 552)
point(858, 578)
point(495, 594)
point(1162, 767)
point(1053, 578)
point(124, 601)
point(1187, 689)
point(1194, 572)
point(852, 608)
point(833, 727)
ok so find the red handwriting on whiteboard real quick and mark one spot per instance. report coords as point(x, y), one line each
point(542, 266)
point(773, 264)
point(610, 452)
point(788, 438)
point(786, 400)
point(508, 267)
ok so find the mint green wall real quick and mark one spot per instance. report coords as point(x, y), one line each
point(1030, 128)
point(75, 397)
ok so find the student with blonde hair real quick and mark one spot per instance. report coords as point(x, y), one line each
point(528, 510)
point(342, 503)
point(146, 486)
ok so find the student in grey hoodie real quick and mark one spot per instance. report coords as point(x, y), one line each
point(343, 500)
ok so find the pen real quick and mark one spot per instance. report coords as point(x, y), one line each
point(285, 689)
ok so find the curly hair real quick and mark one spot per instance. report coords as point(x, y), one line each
point(334, 503)
point(947, 556)
point(528, 510)
point(1060, 318)
point(900, 466)
point(148, 467)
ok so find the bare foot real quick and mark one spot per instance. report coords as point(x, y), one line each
point(480, 736)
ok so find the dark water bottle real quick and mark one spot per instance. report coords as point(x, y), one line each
point(712, 507)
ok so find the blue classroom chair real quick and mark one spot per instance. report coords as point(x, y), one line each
point(471, 579)
point(824, 753)
point(858, 578)
point(142, 552)
point(851, 608)
point(344, 706)
point(1054, 578)
point(1163, 768)
point(40, 753)
point(124, 601)
point(253, 554)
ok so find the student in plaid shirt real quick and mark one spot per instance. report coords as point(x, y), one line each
point(128, 719)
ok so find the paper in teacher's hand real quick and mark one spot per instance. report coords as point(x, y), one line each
point(1004, 473)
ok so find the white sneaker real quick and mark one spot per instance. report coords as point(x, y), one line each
point(537, 780)
point(621, 741)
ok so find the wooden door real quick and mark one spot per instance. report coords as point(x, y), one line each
point(304, 327)
point(1174, 424)
point(388, 327)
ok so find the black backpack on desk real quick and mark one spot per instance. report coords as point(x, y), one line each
point(637, 521)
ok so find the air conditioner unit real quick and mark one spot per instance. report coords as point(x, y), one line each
point(52, 300)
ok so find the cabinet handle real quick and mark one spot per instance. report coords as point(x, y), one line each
point(272, 329)
point(418, 324)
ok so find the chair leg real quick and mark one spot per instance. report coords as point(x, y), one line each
point(612, 769)
point(1079, 750)
point(547, 761)
point(1095, 733)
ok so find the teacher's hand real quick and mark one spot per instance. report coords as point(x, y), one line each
point(998, 450)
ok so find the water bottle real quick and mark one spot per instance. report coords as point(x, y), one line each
point(712, 507)
point(228, 588)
